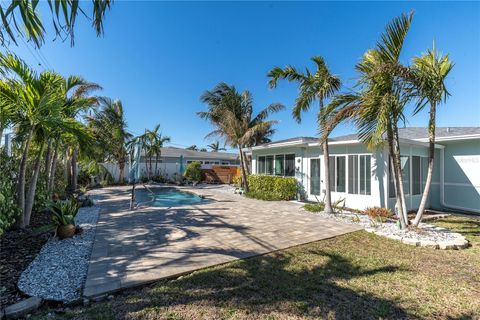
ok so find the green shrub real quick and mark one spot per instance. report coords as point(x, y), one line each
point(193, 171)
point(8, 208)
point(272, 187)
point(64, 212)
point(314, 207)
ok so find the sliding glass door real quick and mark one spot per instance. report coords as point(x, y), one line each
point(315, 176)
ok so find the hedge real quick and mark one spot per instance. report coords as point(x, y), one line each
point(272, 187)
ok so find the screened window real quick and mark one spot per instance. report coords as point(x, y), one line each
point(359, 174)
point(290, 165)
point(279, 165)
point(416, 175)
point(269, 165)
point(405, 165)
point(315, 176)
point(337, 170)
point(261, 165)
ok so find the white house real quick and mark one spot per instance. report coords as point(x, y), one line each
point(362, 177)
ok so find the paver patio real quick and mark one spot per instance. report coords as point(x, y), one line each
point(148, 244)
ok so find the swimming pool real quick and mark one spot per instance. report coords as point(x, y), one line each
point(166, 197)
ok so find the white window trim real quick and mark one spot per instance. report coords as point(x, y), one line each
point(274, 155)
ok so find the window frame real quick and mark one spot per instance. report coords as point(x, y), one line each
point(274, 166)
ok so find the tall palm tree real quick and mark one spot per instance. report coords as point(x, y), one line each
point(314, 86)
point(192, 147)
point(157, 140)
point(378, 106)
point(215, 147)
point(37, 102)
point(110, 128)
point(427, 80)
point(231, 113)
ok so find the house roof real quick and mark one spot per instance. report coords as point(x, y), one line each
point(410, 133)
point(172, 152)
point(421, 133)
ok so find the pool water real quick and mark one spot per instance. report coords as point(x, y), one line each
point(166, 197)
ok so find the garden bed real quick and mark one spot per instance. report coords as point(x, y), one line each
point(18, 249)
point(59, 271)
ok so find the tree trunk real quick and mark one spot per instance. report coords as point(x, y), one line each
point(156, 164)
point(396, 180)
point(32, 188)
point(121, 167)
point(328, 195)
point(21, 180)
point(400, 175)
point(53, 168)
point(48, 162)
point(68, 173)
point(247, 169)
point(74, 170)
point(431, 158)
point(242, 168)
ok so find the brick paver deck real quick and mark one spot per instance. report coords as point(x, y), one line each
point(137, 247)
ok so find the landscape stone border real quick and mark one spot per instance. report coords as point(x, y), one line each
point(458, 241)
point(22, 308)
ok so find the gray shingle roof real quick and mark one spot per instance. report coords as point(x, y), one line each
point(418, 133)
point(410, 133)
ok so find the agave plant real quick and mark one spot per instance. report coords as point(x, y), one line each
point(64, 212)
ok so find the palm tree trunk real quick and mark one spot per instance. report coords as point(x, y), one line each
point(247, 169)
point(156, 163)
point(328, 194)
point(74, 170)
point(48, 162)
point(32, 188)
point(21, 180)
point(400, 175)
point(242, 168)
point(121, 167)
point(396, 179)
point(53, 168)
point(431, 158)
point(67, 172)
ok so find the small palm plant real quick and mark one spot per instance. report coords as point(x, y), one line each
point(63, 217)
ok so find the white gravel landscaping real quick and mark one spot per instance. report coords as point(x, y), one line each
point(426, 235)
point(60, 269)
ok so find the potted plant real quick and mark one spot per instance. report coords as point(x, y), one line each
point(63, 217)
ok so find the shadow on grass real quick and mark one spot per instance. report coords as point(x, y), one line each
point(259, 286)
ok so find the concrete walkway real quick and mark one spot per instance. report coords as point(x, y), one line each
point(137, 247)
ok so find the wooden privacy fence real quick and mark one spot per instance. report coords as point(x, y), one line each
point(220, 174)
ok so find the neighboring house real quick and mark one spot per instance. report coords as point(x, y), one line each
point(362, 177)
point(173, 161)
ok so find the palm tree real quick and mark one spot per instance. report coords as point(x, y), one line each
point(110, 128)
point(23, 18)
point(379, 105)
point(215, 147)
point(231, 113)
point(314, 86)
point(192, 147)
point(37, 102)
point(156, 142)
point(427, 79)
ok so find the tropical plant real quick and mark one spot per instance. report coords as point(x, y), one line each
point(110, 130)
point(427, 83)
point(231, 113)
point(8, 207)
point(192, 147)
point(38, 102)
point(23, 17)
point(272, 188)
point(64, 212)
point(193, 171)
point(215, 147)
point(314, 86)
point(377, 107)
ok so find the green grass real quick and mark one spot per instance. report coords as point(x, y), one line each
point(355, 276)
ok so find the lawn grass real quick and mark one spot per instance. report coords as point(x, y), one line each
point(355, 276)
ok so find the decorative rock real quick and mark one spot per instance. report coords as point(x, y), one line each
point(410, 241)
point(86, 302)
point(446, 245)
point(22, 308)
point(110, 297)
point(429, 244)
point(60, 269)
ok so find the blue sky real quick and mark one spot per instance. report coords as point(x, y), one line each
point(159, 57)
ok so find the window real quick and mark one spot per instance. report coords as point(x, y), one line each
point(337, 168)
point(279, 163)
point(405, 165)
point(353, 174)
point(290, 165)
point(315, 176)
point(416, 175)
point(359, 174)
point(269, 165)
point(261, 165)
